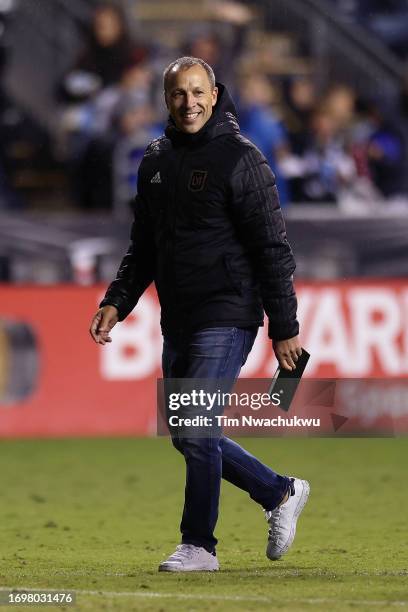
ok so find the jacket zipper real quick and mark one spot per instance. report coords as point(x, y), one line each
point(172, 245)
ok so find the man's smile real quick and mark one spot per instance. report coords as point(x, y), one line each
point(190, 117)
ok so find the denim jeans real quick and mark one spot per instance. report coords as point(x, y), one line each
point(215, 353)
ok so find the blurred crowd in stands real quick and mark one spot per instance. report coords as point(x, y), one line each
point(386, 19)
point(325, 147)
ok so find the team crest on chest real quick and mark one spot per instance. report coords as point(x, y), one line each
point(197, 180)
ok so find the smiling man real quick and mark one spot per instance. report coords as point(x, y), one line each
point(190, 97)
point(209, 232)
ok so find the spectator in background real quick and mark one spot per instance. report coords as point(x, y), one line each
point(107, 51)
point(403, 124)
point(110, 66)
point(301, 100)
point(221, 42)
point(325, 168)
point(123, 125)
point(205, 42)
point(386, 154)
point(339, 102)
point(260, 124)
point(378, 148)
point(133, 121)
point(329, 160)
point(135, 81)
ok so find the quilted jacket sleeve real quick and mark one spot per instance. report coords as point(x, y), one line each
point(258, 217)
point(136, 270)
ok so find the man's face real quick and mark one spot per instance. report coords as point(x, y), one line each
point(190, 98)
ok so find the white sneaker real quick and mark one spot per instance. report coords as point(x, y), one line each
point(283, 519)
point(190, 558)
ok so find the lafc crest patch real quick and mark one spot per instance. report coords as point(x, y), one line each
point(197, 180)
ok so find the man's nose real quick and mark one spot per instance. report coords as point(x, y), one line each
point(190, 100)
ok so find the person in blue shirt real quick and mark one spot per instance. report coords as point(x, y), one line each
point(261, 125)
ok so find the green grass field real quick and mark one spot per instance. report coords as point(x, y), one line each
point(97, 516)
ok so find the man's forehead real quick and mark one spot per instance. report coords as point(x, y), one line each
point(193, 75)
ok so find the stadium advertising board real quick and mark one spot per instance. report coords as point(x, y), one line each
point(54, 381)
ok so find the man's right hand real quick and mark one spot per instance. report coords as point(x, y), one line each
point(102, 323)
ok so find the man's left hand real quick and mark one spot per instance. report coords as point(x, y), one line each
point(287, 352)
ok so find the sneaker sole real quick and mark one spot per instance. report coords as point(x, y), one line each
point(178, 569)
point(301, 504)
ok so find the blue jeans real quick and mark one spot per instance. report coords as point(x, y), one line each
point(215, 353)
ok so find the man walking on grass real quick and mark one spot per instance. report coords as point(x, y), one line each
point(208, 230)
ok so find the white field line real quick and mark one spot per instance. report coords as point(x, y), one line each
point(206, 597)
point(283, 573)
point(259, 598)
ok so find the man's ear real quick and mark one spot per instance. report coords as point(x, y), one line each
point(214, 96)
point(165, 99)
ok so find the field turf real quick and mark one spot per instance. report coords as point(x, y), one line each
point(97, 516)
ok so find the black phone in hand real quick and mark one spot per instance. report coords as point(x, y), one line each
point(285, 382)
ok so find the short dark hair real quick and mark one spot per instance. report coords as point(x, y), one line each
point(187, 62)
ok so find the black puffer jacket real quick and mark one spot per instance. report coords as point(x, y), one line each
point(209, 232)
